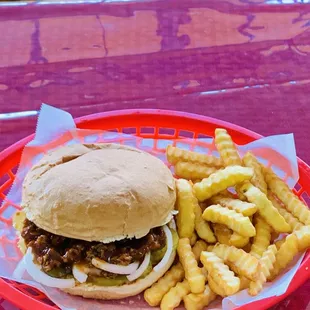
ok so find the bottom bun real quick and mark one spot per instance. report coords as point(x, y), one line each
point(88, 290)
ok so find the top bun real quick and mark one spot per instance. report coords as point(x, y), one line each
point(99, 192)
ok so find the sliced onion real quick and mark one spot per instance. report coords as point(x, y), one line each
point(167, 255)
point(38, 275)
point(78, 273)
point(174, 212)
point(138, 273)
point(172, 225)
point(118, 269)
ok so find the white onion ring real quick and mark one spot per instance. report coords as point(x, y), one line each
point(117, 269)
point(167, 255)
point(38, 275)
point(138, 273)
point(79, 274)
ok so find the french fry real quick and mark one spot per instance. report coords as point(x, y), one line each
point(174, 297)
point(186, 204)
point(235, 221)
point(192, 171)
point(290, 218)
point(296, 242)
point(258, 180)
point(245, 208)
point(156, 292)
point(265, 208)
point(262, 239)
point(220, 273)
point(199, 246)
point(193, 273)
point(267, 260)
point(216, 288)
point(240, 262)
point(199, 301)
point(283, 192)
point(202, 227)
point(175, 154)
point(222, 233)
point(244, 282)
point(220, 180)
point(278, 243)
point(226, 148)
point(238, 241)
point(193, 239)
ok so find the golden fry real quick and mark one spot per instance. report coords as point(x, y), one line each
point(192, 171)
point(244, 282)
point(185, 203)
point(220, 180)
point(199, 246)
point(235, 221)
point(226, 148)
point(291, 202)
point(245, 208)
point(279, 243)
point(199, 301)
point(156, 292)
point(222, 233)
point(193, 239)
point(193, 273)
point(174, 297)
point(290, 219)
point(265, 208)
point(262, 239)
point(202, 227)
point(220, 273)
point(267, 261)
point(175, 154)
point(258, 180)
point(241, 262)
point(238, 241)
point(296, 242)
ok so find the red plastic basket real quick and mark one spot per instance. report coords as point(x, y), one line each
point(148, 124)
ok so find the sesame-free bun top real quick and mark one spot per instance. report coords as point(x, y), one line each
point(99, 192)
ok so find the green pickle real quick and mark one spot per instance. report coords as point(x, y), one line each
point(102, 281)
point(59, 273)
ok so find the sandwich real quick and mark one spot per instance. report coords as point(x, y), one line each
point(96, 220)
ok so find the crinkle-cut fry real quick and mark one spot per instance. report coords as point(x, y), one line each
point(156, 292)
point(221, 180)
point(296, 242)
point(199, 246)
point(222, 233)
point(232, 219)
point(238, 241)
point(267, 260)
point(202, 227)
point(185, 203)
point(262, 239)
point(193, 239)
point(258, 179)
point(175, 154)
point(199, 301)
point(216, 288)
point(245, 208)
point(278, 243)
point(243, 263)
point(244, 282)
point(226, 147)
point(174, 297)
point(289, 217)
point(266, 209)
point(193, 273)
point(220, 273)
point(283, 192)
point(192, 171)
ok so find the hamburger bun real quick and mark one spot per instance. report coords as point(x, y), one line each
point(99, 192)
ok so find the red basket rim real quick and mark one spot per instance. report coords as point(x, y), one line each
point(15, 296)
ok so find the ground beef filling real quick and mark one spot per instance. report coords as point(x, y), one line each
point(53, 251)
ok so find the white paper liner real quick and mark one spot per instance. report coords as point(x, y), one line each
point(52, 123)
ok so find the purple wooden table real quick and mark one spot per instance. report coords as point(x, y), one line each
point(243, 61)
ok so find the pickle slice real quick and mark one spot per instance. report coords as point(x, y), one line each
point(102, 281)
point(58, 272)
